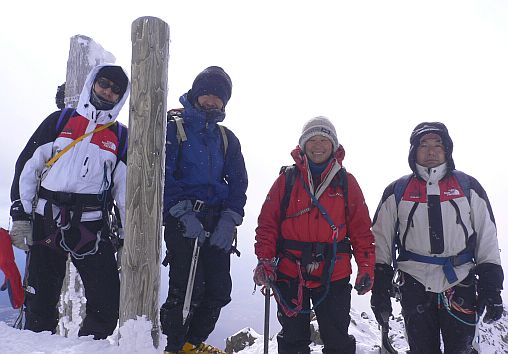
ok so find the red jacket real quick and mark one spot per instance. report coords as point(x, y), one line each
point(311, 226)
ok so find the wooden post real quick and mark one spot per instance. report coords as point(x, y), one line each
point(84, 55)
point(140, 276)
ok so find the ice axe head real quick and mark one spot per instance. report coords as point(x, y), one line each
point(12, 280)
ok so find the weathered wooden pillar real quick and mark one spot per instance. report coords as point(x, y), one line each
point(84, 55)
point(140, 276)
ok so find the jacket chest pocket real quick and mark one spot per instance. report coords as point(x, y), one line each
point(96, 168)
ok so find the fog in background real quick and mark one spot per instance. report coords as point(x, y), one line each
point(376, 69)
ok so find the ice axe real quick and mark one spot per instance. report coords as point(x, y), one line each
point(386, 344)
point(12, 277)
point(192, 277)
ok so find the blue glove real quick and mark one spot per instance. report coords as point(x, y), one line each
point(192, 226)
point(224, 232)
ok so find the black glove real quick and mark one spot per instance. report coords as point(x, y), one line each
point(60, 96)
point(490, 283)
point(382, 291)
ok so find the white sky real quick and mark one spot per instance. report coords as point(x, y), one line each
point(375, 68)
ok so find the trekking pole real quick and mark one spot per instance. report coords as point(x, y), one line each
point(267, 319)
point(190, 281)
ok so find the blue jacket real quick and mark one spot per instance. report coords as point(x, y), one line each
point(198, 169)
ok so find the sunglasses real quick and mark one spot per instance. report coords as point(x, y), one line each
point(105, 84)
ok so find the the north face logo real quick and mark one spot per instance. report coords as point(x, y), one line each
point(66, 131)
point(109, 145)
point(451, 191)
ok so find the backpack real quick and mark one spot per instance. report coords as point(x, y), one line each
point(176, 116)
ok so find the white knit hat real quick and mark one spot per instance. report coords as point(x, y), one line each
point(319, 126)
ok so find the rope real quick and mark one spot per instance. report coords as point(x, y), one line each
point(442, 298)
point(290, 311)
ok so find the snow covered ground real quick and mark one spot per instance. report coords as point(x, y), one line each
point(135, 338)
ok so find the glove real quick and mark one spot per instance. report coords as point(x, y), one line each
point(382, 291)
point(264, 274)
point(494, 306)
point(363, 282)
point(490, 283)
point(21, 231)
point(192, 226)
point(224, 232)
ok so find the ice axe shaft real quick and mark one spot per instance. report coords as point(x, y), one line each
point(192, 277)
point(266, 332)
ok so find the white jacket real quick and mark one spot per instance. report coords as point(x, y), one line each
point(476, 216)
point(90, 167)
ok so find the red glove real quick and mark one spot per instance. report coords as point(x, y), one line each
point(364, 280)
point(12, 277)
point(264, 274)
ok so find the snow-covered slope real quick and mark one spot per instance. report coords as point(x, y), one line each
point(135, 338)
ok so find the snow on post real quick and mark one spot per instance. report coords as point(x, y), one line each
point(140, 276)
point(84, 55)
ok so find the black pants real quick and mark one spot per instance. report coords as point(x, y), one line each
point(332, 316)
point(212, 289)
point(46, 271)
point(425, 320)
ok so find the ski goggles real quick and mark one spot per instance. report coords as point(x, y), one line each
point(105, 84)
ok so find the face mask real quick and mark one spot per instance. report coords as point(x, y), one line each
point(100, 103)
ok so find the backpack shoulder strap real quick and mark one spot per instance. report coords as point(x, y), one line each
point(176, 116)
point(121, 134)
point(224, 138)
point(179, 128)
point(291, 172)
point(343, 183)
point(464, 182)
point(400, 186)
point(66, 113)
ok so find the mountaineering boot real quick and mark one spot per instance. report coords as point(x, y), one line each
point(203, 348)
point(178, 352)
